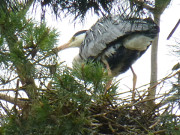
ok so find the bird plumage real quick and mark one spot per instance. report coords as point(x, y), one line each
point(115, 41)
point(118, 41)
point(111, 28)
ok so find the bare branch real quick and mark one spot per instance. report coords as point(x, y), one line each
point(16, 95)
point(165, 78)
point(10, 99)
point(5, 108)
point(7, 90)
point(173, 30)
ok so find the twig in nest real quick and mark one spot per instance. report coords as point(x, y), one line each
point(156, 123)
point(159, 132)
point(111, 128)
point(165, 78)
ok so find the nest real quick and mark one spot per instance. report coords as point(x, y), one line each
point(125, 119)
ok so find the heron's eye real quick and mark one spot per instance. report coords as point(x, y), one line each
point(73, 38)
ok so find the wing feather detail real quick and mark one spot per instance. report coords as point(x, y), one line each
point(107, 30)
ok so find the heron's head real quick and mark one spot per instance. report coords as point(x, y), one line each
point(75, 41)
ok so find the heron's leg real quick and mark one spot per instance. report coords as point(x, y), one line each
point(108, 85)
point(134, 83)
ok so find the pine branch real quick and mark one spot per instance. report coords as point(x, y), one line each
point(7, 90)
point(12, 100)
point(6, 109)
point(78, 8)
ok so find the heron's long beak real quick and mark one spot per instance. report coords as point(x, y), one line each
point(62, 47)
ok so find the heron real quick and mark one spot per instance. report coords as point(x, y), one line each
point(116, 41)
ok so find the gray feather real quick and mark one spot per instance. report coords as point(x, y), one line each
point(108, 29)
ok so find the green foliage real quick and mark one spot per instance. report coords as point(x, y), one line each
point(42, 36)
point(24, 44)
point(78, 8)
point(64, 109)
point(62, 100)
point(171, 123)
point(92, 74)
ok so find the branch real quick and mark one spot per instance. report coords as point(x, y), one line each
point(7, 90)
point(173, 30)
point(165, 78)
point(12, 100)
point(5, 108)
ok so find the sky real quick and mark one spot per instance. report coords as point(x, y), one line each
point(166, 59)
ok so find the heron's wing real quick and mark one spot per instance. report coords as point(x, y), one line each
point(107, 30)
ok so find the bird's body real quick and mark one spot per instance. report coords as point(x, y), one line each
point(116, 41)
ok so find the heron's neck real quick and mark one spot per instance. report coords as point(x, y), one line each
point(77, 60)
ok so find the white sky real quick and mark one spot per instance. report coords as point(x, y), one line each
point(166, 60)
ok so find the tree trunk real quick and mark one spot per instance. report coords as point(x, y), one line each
point(160, 6)
point(154, 65)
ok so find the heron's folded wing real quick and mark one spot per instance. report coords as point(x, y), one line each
point(107, 30)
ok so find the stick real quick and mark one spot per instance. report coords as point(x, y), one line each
point(173, 30)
